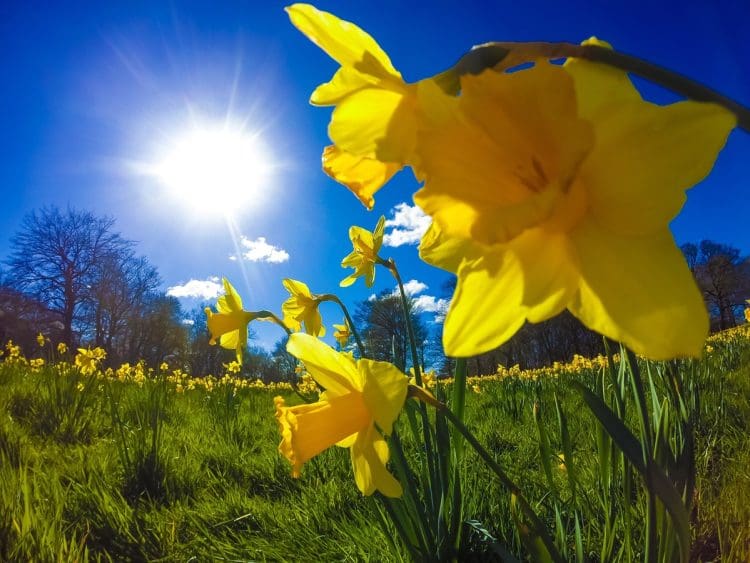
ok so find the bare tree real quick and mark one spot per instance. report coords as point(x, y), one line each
point(723, 276)
point(54, 258)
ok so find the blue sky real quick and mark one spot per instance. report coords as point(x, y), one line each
point(94, 92)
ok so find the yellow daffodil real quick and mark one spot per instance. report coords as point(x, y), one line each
point(747, 311)
point(553, 188)
point(374, 124)
point(88, 360)
point(365, 254)
point(302, 307)
point(229, 324)
point(342, 333)
point(358, 395)
point(41, 340)
point(62, 348)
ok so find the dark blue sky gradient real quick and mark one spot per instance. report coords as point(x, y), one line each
point(89, 89)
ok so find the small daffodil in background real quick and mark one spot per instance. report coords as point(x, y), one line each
point(302, 307)
point(342, 333)
point(229, 324)
point(87, 360)
point(553, 188)
point(41, 340)
point(747, 311)
point(359, 394)
point(364, 257)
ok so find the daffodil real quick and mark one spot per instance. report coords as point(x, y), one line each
point(747, 311)
point(553, 188)
point(359, 394)
point(364, 257)
point(229, 324)
point(374, 124)
point(302, 307)
point(88, 360)
point(342, 334)
point(41, 340)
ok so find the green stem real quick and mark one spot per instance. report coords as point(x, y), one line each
point(269, 315)
point(647, 448)
point(391, 265)
point(503, 55)
point(507, 482)
point(335, 299)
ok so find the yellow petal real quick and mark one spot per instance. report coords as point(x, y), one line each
point(446, 252)
point(376, 123)
point(335, 372)
point(498, 159)
point(639, 290)
point(363, 176)
point(384, 391)
point(485, 310)
point(369, 456)
point(646, 156)
point(295, 287)
point(346, 81)
point(342, 40)
point(599, 86)
point(230, 301)
point(530, 278)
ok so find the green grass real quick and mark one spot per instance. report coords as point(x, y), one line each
point(97, 470)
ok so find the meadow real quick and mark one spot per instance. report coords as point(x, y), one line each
point(152, 464)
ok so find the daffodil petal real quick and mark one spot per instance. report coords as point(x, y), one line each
point(230, 301)
point(599, 86)
point(639, 290)
point(384, 391)
point(336, 372)
point(361, 175)
point(375, 123)
point(646, 156)
point(485, 310)
point(346, 81)
point(446, 252)
point(343, 41)
point(295, 287)
point(369, 455)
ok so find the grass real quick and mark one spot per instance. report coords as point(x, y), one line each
point(94, 469)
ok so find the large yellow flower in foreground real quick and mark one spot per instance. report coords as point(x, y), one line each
point(229, 325)
point(358, 395)
point(553, 188)
point(364, 257)
point(374, 125)
point(302, 307)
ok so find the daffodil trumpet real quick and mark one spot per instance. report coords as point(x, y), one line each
point(501, 56)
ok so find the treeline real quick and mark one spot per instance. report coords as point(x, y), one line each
point(72, 277)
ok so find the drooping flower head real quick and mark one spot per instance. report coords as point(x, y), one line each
point(358, 395)
point(364, 257)
point(343, 333)
point(229, 324)
point(302, 307)
point(553, 188)
point(747, 311)
point(41, 340)
point(373, 126)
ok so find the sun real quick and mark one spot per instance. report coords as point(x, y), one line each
point(215, 169)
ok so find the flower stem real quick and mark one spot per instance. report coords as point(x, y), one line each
point(273, 318)
point(504, 55)
point(335, 299)
point(507, 482)
point(391, 265)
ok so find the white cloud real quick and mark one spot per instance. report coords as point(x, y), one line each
point(259, 250)
point(205, 289)
point(431, 304)
point(372, 297)
point(188, 322)
point(412, 287)
point(407, 226)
